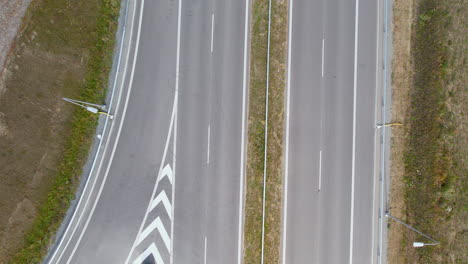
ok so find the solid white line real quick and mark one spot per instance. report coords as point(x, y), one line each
point(174, 153)
point(242, 165)
point(266, 135)
point(204, 261)
point(286, 159)
point(353, 169)
point(208, 148)
point(104, 151)
point(117, 138)
point(323, 54)
point(212, 31)
point(320, 171)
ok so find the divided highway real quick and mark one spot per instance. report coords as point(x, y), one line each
point(330, 210)
point(166, 187)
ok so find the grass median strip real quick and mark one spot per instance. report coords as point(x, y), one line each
point(256, 132)
point(83, 32)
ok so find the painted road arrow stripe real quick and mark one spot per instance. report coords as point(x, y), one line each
point(162, 197)
point(159, 225)
point(151, 250)
point(166, 171)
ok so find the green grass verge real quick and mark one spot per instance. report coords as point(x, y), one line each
point(435, 168)
point(256, 132)
point(86, 26)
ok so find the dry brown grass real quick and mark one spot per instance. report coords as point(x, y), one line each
point(433, 147)
point(256, 132)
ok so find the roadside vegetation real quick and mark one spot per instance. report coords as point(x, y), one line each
point(64, 49)
point(256, 132)
point(435, 145)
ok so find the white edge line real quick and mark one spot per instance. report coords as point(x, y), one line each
point(99, 146)
point(212, 31)
point(286, 159)
point(353, 169)
point(117, 138)
point(242, 166)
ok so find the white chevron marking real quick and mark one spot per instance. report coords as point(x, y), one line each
point(162, 197)
point(166, 171)
point(151, 250)
point(159, 225)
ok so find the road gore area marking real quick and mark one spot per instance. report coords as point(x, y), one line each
point(162, 197)
point(157, 223)
point(152, 250)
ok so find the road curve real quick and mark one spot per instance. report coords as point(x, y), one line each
point(166, 185)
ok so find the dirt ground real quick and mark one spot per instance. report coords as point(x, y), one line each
point(402, 69)
point(47, 62)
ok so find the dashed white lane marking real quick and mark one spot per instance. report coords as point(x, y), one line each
point(156, 224)
point(162, 197)
point(320, 171)
point(212, 31)
point(204, 260)
point(208, 147)
point(151, 250)
point(323, 55)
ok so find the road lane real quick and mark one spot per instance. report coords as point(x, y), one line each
point(211, 90)
point(323, 113)
point(305, 132)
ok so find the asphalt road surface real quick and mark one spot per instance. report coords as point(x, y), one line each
point(166, 185)
point(330, 207)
